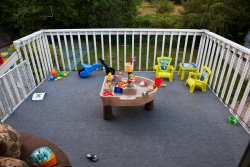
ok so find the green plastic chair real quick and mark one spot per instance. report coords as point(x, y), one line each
point(164, 69)
point(198, 79)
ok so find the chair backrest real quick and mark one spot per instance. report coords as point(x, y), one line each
point(205, 73)
point(164, 63)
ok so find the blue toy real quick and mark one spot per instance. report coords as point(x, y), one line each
point(87, 69)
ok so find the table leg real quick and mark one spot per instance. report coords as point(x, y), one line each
point(107, 112)
point(149, 106)
point(182, 74)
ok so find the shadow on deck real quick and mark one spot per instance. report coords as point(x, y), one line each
point(183, 129)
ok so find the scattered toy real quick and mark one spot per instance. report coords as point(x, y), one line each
point(92, 157)
point(232, 120)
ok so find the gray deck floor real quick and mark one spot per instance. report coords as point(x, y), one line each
point(183, 130)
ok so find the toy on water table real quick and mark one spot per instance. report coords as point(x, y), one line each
point(42, 157)
point(87, 69)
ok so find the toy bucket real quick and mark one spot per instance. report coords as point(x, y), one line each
point(158, 81)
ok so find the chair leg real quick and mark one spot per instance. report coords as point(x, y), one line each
point(203, 88)
point(192, 88)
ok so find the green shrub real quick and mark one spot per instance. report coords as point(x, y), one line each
point(164, 6)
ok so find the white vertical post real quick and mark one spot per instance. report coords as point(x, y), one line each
point(46, 60)
point(185, 48)
point(239, 63)
point(102, 43)
point(204, 55)
point(212, 54)
point(223, 69)
point(140, 46)
point(21, 81)
point(73, 50)
point(155, 49)
point(192, 48)
point(87, 46)
point(49, 53)
point(229, 72)
point(148, 40)
point(110, 49)
point(215, 63)
point(163, 44)
point(80, 47)
point(219, 65)
point(177, 50)
point(200, 51)
point(125, 43)
point(133, 47)
point(209, 51)
point(14, 86)
point(37, 59)
point(33, 63)
point(117, 50)
point(41, 57)
point(239, 86)
point(44, 44)
point(170, 45)
point(67, 50)
point(54, 49)
point(247, 116)
point(95, 49)
point(244, 97)
point(7, 86)
point(61, 52)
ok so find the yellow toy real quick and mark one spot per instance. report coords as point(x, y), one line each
point(109, 77)
point(198, 79)
point(164, 69)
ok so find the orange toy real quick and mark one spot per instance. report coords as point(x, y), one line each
point(54, 72)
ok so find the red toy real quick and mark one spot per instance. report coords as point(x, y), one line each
point(54, 72)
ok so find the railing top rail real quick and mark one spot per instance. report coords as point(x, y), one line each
point(28, 37)
point(227, 41)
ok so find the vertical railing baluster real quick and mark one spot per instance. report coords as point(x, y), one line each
point(219, 65)
point(140, 46)
point(33, 63)
point(244, 74)
point(200, 51)
point(163, 44)
point(21, 82)
point(155, 49)
point(110, 50)
point(177, 50)
point(49, 53)
point(95, 49)
point(244, 97)
point(125, 43)
point(14, 86)
point(247, 116)
point(215, 63)
point(80, 47)
point(54, 49)
point(148, 40)
point(61, 52)
point(117, 51)
point(73, 50)
point(209, 52)
point(133, 48)
point(44, 52)
point(41, 57)
point(67, 50)
point(211, 57)
point(192, 48)
point(102, 43)
point(37, 59)
point(7, 89)
point(170, 45)
point(204, 54)
point(87, 46)
point(239, 63)
point(223, 69)
point(229, 72)
point(185, 48)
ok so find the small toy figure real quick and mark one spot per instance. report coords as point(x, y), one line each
point(109, 77)
point(121, 73)
point(54, 72)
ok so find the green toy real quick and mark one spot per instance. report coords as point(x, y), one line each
point(232, 120)
point(62, 74)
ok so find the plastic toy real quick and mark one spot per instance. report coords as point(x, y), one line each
point(54, 72)
point(4, 56)
point(232, 120)
point(42, 157)
point(164, 69)
point(92, 157)
point(198, 79)
point(87, 69)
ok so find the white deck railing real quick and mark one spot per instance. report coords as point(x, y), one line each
point(67, 49)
